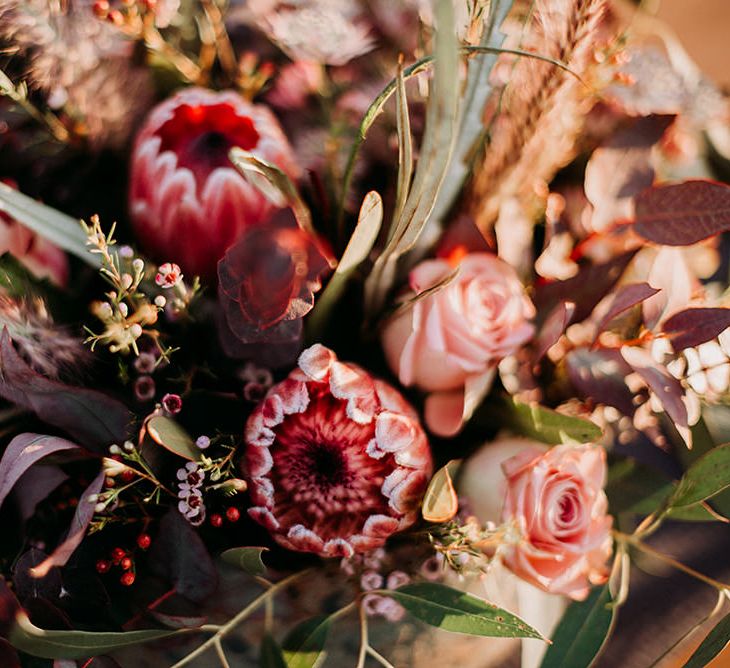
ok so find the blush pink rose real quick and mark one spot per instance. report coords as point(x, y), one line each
point(556, 503)
point(457, 335)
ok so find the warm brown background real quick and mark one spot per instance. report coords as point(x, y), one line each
point(704, 28)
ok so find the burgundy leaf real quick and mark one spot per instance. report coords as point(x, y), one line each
point(623, 299)
point(585, 289)
point(621, 168)
point(35, 485)
point(681, 214)
point(9, 607)
point(27, 586)
point(77, 531)
point(90, 417)
point(267, 282)
point(693, 326)
point(666, 387)
point(553, 328)
point(179, 556)
point(24, 451)
point(8, 656)
point(599, 375)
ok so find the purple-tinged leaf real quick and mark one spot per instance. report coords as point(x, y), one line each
point(8, 656)
point(681, 214)
point(623, 299)
point(591, 284)
point(27, 586)
point(667, 388)
point(621, 168)
point(77, 531)
point(694, 326)
point(90, 417)
point(34, 486)
point(553, 328)
point(179, 555)
point(599, 375)
point(24, 451)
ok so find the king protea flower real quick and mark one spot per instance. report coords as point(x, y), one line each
point(187, 201)
point(336, 460)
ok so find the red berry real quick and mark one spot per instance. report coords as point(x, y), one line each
point(103, 566)
point(233, 514)
point(127, 475)
point(109, 482)
point(101, 7)
point(216, 520)
point(118, 554)
point(127, 579)
point(126, 563)
point(144, 541)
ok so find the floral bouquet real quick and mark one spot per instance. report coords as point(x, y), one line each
point(390, 334)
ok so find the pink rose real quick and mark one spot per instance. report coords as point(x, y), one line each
point(457, 335)
point(40, 257)
point(556, 503)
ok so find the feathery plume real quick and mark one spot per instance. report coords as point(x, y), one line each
point(541, 105)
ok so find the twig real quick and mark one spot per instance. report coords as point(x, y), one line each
point(363, 637)
point(224, 48)
point(379, 658)
point(678, 565)
point(221, 654)
point(224, 629)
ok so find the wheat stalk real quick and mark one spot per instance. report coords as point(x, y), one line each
point(533, 133)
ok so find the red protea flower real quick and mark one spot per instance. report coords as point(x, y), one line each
point(187, 202)
point(336, 459)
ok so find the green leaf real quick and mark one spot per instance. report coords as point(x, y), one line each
point(28, 638)
point(170, 435)
point(271, 655)
point(357, 250)
point(277, 187)
point(246, 558)
point(712, 645)
point(547, 425)
point(440, 502)
point(405, 147)
point(58, 228)
point(304, 646)
point(708, 476)
point(582, 632)
point(453, 610)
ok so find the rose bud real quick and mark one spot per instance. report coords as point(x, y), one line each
point(458, 334)
point(40, 257)
point(336, 460)
point(553, 503)
point(187, 201)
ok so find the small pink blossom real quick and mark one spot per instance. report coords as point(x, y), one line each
point(168, 275)
point(336, 460)
point(371, 580)
point(191, 477)
point(203, 442)
point(144, 388)
point(172, 403)
point(374, 604)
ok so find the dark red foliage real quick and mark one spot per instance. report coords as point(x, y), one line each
point(267, 282)
point(694, 326)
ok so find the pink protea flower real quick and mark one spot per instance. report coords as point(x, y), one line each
point(336, 460)
point(187, 201)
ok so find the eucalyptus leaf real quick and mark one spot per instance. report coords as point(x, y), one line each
point(357, 250)
point(582, 632)
point(405, 147)
point(304, 646)
point(58, 228)
point(246, 558)
point(52, 644)
point(170, 435)
point(271, 655)
point(440, 502)
point(708, 476)
point(712, 645)
point(547, 425)
point(453, 610)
